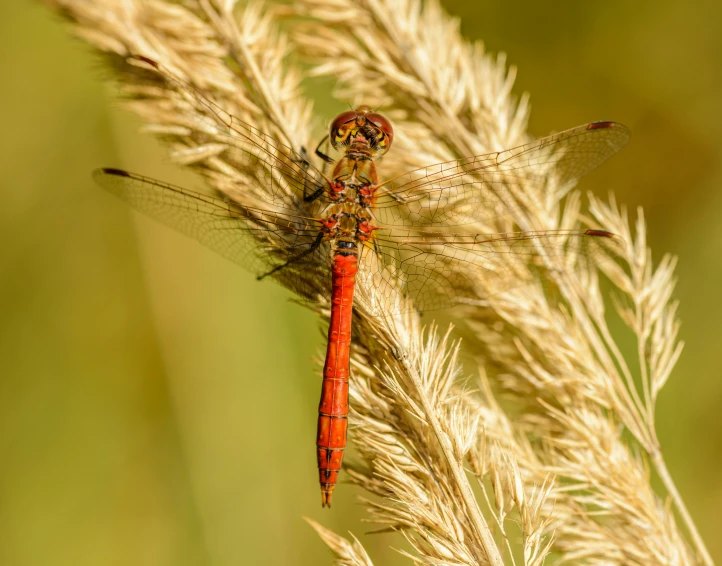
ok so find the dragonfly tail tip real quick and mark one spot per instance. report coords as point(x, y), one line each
point(326, 497)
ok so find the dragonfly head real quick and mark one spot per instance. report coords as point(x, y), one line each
point(363, 130)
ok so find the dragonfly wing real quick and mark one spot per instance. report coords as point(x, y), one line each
point(439, 270)
point(263, 165)
point(259, 240)
point(268, 169)
point(486, 187)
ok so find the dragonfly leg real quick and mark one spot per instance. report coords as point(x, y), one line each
point(312, 248)
point(314, 195)
point(303, 162)
point(322, 155)
point(326, 161)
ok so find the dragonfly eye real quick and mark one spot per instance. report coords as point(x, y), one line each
point(383, 141)
point(381, 123)
point(342, 127)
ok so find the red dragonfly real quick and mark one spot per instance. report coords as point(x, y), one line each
point(315, 227)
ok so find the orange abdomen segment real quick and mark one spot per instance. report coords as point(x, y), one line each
point(333, 408)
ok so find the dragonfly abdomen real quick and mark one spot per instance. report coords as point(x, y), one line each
point(333, 408)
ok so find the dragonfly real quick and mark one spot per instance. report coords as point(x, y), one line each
point(318, 230)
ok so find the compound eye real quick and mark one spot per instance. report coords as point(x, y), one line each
point(383, 124)
point(342, 119)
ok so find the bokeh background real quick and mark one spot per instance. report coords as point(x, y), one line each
point(140, 374)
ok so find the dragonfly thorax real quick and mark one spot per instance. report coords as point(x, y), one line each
point(354, 180)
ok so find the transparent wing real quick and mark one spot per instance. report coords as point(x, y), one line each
point(485, 187)
point(259, 240)
point(280, 174)
point(439, 270)
point(435, 269)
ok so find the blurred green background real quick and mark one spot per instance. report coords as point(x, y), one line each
point(157, 404)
